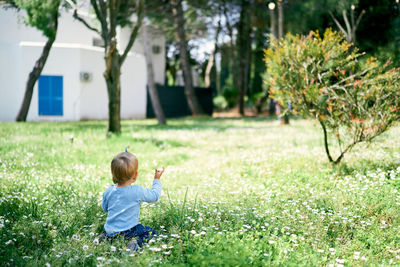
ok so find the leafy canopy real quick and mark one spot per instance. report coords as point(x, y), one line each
point(41, 14)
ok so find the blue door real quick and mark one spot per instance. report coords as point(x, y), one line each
point(51, 95)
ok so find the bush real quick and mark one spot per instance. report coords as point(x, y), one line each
point(324, 78)
point(220, 102)
point(231, 96)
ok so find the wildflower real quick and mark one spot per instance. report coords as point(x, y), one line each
point(113, 248)
point(341, 261)
point(85, 247)
point(271, 242)
point(155, 249)
point(96, 241)
point(100, 258)
point(193, 232)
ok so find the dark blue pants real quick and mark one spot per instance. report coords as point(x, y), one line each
point(140, 232)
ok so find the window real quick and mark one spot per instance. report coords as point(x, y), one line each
point(50, 95)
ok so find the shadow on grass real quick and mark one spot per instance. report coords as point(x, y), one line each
point(206, 123)
point(363, 166)
point(185, 123)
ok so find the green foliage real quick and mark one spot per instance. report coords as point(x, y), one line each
point(231, 96)
point(324, 78)
point(220, 102)
point(41, 14)
point(255, 98)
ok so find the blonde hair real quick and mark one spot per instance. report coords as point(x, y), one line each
point(123, 167)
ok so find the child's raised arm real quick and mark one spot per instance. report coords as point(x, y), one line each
point(153, 194)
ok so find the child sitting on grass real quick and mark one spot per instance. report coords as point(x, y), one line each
point(122, 201)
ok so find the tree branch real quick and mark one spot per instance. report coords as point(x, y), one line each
point(140, 15)
point(338, 24)
point(76, 16)
point(101, 15)
point(346, 21)
point(113, 9)
point(358, 20)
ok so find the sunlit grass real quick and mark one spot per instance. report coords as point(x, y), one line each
point(236, 192)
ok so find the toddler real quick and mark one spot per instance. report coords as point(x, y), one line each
point(121, 201)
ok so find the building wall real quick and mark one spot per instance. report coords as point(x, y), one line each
point(133, 87)
point(63, 61)
point(81, 100)
point(156, 37)
point(9, 78)
point(93, 94)
point(13, 30)
point(72, 53)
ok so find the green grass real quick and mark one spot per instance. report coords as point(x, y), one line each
point(236, 192)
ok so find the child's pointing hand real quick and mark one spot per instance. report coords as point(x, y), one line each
point(158, 173)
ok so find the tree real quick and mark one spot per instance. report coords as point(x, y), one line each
point(155, 100)
point(279, 35)
point(352, 24)
point(324, 77)
point(183, 54)
point(244, 51)
point(111, 14)
point(43, 15)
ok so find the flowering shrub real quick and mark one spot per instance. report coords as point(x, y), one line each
point(324, 78)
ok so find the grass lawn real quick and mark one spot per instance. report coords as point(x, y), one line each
point(236, 192)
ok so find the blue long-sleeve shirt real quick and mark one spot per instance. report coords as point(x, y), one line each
point(123, 205)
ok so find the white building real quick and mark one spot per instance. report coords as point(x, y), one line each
point(71, 86)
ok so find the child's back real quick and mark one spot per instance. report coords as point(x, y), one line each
point(123, 205)
point(122, 200)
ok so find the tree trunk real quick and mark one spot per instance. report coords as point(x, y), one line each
point(183, 53)
point(210, 64)
point(284, 118)
point(273, 23)
point(34, 76)
point(155, 100)
point(259, 69)
point(112, 76)
point(280, 19)
point(234, 68)
point(247, 60)
point(207, 79)
point(241, 59)
point(326, 141)
point(244, 41)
